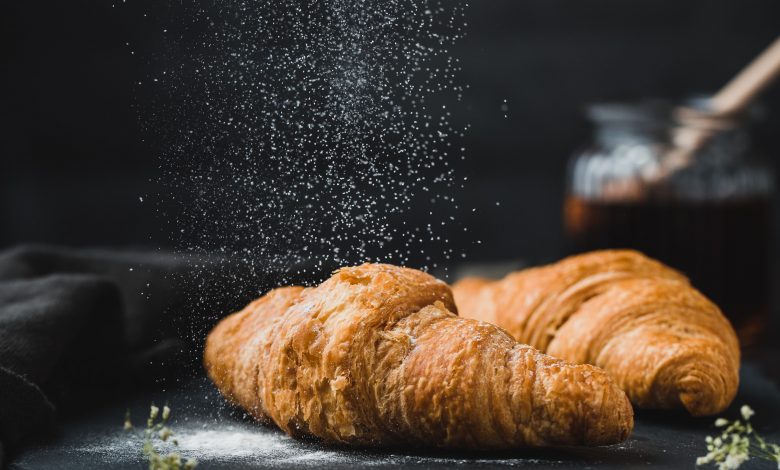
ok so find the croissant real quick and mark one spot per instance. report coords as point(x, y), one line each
point(665, 344)
point(375, 356)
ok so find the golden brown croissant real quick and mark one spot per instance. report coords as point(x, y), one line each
point(375, 356)
point(664, 343)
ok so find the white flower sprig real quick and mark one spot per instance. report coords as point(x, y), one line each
point(159, 430)
point(737, 443)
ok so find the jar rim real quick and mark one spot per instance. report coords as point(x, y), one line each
point(646, 112)
point(663, 114)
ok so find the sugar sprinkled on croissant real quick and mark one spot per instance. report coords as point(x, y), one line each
point(376, 356)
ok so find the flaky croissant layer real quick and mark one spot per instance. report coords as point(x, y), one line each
point(664, 343)
point(376, 356)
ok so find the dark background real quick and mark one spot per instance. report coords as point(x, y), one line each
point(73, 160)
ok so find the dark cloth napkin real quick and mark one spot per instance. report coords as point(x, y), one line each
point(73, 322)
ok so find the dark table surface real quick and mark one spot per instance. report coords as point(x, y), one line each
point(219, 437)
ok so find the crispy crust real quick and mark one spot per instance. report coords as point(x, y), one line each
point(664, 343)
point(376, 356)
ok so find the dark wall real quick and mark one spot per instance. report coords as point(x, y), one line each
point(73, 162)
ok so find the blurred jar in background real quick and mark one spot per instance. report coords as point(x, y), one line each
point(710, 218)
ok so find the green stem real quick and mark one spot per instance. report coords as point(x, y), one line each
point(761, 453)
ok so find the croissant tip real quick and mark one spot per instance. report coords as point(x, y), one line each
point(705, 403)
point(615, 427)
point(706, 391)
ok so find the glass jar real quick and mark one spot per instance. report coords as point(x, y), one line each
point(707, 214)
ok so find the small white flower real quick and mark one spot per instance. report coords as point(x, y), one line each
point(166, 413)
point(746, 412)
point(165, 433)
point(153, 411)
point(732, 448)
point(734, 461)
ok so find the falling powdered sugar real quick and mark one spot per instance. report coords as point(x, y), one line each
point(310, 131)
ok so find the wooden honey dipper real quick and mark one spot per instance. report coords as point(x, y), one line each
point(699, 125)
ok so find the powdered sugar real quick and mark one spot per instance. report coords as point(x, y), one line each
point(231, 442)
point(258, 446)
point(209, 442)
